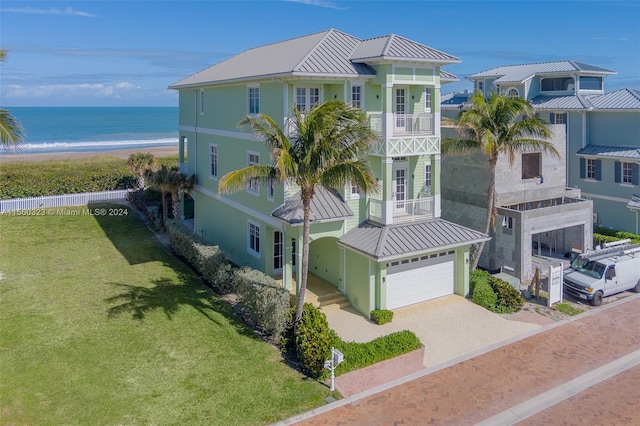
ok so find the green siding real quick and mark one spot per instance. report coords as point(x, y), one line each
point(324, 258)
point(359, 288)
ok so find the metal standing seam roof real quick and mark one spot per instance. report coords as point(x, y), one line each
point(575, 102)
point(326, 53)
point(634, 204)
point(622, 152)
point(394, 241)
point(326, 206)
point(628, 99)
point(521, 73)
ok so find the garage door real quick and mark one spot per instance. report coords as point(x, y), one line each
point(420, 280)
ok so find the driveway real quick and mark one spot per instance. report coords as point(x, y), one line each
point(448, 327)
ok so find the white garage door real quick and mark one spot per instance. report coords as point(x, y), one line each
point(421, 280)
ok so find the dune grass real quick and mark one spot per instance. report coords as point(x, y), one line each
point(99, 324)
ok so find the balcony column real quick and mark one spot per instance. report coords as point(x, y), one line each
point(435, 184)
point(387, 112)
point(387, 191)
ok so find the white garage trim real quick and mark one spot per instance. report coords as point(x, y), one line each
point(420, 280)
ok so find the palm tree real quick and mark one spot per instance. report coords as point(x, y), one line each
point(11, 131)
point(138, 163)
point(499, 125)
point(324, 147)
point(170, 181)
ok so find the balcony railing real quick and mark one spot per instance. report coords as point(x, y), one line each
point(404, 124)
point(401, 211)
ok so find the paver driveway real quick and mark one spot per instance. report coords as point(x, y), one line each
point(599, 350)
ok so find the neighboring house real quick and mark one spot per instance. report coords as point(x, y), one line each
point(537, 215)
point(602, 130)
point(382, 252)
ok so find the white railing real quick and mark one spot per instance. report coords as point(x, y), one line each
point(403, 211)
point(66, 200)
point(404, 124)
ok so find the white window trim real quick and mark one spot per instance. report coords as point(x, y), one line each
point(253, 86)
point(428, 166)
point(513, 88)
point(428, 98)
point(622, 166)
point(211, 175)
point(354, 195)
point(249, 163)
point(271, 189)
point(361, 86)
point(307, 87)
point(282, 237)
point(253, 252)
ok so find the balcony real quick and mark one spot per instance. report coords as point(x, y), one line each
point(405, 134)
point(401, 211)
point(404, 124)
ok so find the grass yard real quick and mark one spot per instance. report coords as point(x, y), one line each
point(101, 325)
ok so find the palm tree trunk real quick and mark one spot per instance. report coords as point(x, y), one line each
point(304, 268)
point(491, 211)
point(165, 208)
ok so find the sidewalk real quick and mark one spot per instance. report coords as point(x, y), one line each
point(564, 364)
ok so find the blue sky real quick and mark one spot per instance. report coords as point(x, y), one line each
point(126, 53)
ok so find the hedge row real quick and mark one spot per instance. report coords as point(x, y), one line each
point(23, 179)
point(260, 297)
point(606, 235)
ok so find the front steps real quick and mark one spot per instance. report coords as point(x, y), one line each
point(331, 300)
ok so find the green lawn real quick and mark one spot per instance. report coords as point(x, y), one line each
point(101, 325)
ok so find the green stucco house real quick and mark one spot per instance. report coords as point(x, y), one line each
point(381, 252)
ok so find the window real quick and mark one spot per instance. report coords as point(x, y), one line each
point(481, 86)
point(507, 222)
point(253, 240)
point(253, 158)
point(293, 252)
point(271, 188)
point(627, 173)
point(427, 99)
point(356, 96)
point(307, 98)
point(355, 190)
point(213, 161)
point(513, 93)
point(558, 118)
point(427, 177)
point(590, 83)
point(556, 84)
point(531, 165)
point(278, 250)
point(590, 168)
point(254, 100)
point(201, 101)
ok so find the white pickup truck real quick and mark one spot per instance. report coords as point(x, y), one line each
point(599, 273)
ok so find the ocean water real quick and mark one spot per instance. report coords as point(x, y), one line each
point(66, 129)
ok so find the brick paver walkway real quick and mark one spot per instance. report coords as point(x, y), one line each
point(492, 383)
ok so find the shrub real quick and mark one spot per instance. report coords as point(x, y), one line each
point(484, 295)
point(313, 342)
point(359, 355)
point(606, 235)
point(476, 276)
point(263, 300)
point(508, 298)
point(381, 316)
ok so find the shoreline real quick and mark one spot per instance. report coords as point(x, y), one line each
point(160, 151)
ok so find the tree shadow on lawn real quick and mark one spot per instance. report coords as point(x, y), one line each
point(168, 296)
point(124, 227)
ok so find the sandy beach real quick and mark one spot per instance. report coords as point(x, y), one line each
point(161, 151)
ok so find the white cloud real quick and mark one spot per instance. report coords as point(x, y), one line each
point(319, 3)
point(67, 91)
point(52, 11)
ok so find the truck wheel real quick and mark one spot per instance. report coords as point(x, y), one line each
point(637, 287)
point(597, 299)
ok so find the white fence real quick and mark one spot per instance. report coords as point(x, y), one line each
point(66, 200)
